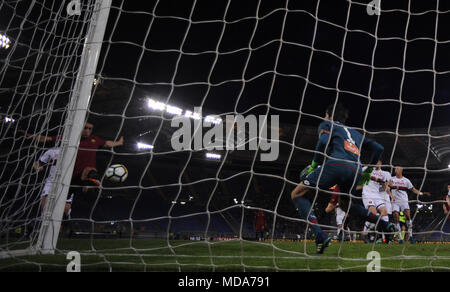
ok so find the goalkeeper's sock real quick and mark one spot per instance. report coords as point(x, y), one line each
point(304, 208)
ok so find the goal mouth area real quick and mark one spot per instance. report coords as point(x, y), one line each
point(213, 109)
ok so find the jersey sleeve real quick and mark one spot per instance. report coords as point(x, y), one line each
point(409, 185)
point(387, 176)
point(324, 135)
point(48, 156)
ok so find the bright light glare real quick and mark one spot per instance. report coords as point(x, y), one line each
point(144, 146)
point(192, 115)
point(213, 120)
point(213, 156)
point(9, 120)
point(5, 42)
point(156, 105)
point(174, 110)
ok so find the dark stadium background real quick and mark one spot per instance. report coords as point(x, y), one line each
point(408, 110)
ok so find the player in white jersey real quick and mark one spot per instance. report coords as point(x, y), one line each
point(374, 196)
point(400, 185)
point(49, 158)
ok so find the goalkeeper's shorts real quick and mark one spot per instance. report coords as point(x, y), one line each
point(334, 172)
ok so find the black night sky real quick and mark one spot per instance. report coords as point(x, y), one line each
point(227, 55)
point(287, 58)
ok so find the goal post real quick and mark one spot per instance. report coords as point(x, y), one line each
point(77, 112)
point(77, 109)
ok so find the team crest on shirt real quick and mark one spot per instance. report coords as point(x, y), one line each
point(93, 141)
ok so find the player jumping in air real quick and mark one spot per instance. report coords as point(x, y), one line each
point(342, 167)
point(399, 186)
point(374, 196)
point(85, 169)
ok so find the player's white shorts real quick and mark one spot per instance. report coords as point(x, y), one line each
point(373, 201)
point(46, 191)
point(400, 205)
point(340, 215)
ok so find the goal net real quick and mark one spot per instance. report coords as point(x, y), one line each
point(212, 108)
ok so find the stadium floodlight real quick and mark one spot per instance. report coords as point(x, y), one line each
point(156, 105)
point(174, 110)
point(143, 146)
point(235, 201)
point(419, 206)
point(213, 156)
point(213, 120)
point(191, 115)
point(5, 42)
point(9, 120)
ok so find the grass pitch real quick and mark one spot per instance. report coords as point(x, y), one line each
point(99, 255)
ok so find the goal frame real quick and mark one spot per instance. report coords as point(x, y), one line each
point(78, 107)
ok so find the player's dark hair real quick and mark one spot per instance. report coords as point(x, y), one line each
point(340, 113)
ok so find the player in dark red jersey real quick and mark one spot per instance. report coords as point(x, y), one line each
point(85, 169)
point(333, 204)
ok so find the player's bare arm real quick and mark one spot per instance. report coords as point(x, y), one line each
point(111, 144)
point(419, 193)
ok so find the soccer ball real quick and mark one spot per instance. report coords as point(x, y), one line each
point(117, 173)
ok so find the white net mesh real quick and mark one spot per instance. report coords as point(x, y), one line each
point(197, 208)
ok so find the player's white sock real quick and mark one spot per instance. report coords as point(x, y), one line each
point(409, 225)
point(385, 219)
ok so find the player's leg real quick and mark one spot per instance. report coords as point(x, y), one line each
point(350, 177)
point(368, 226)
point(340, 215)
point(43, 202)
point(409, 225)
point(396, 217)
point(323, 178)
point(382, 210)
point(90, 178)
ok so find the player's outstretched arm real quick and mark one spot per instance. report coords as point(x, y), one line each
point(37, 165)
point(39, 138)
point(419, 193)
point(111, 144)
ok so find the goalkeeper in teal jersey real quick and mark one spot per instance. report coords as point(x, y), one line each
point(341, 167)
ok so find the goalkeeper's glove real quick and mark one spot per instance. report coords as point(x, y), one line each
point(310, 168)
point(366, 176)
